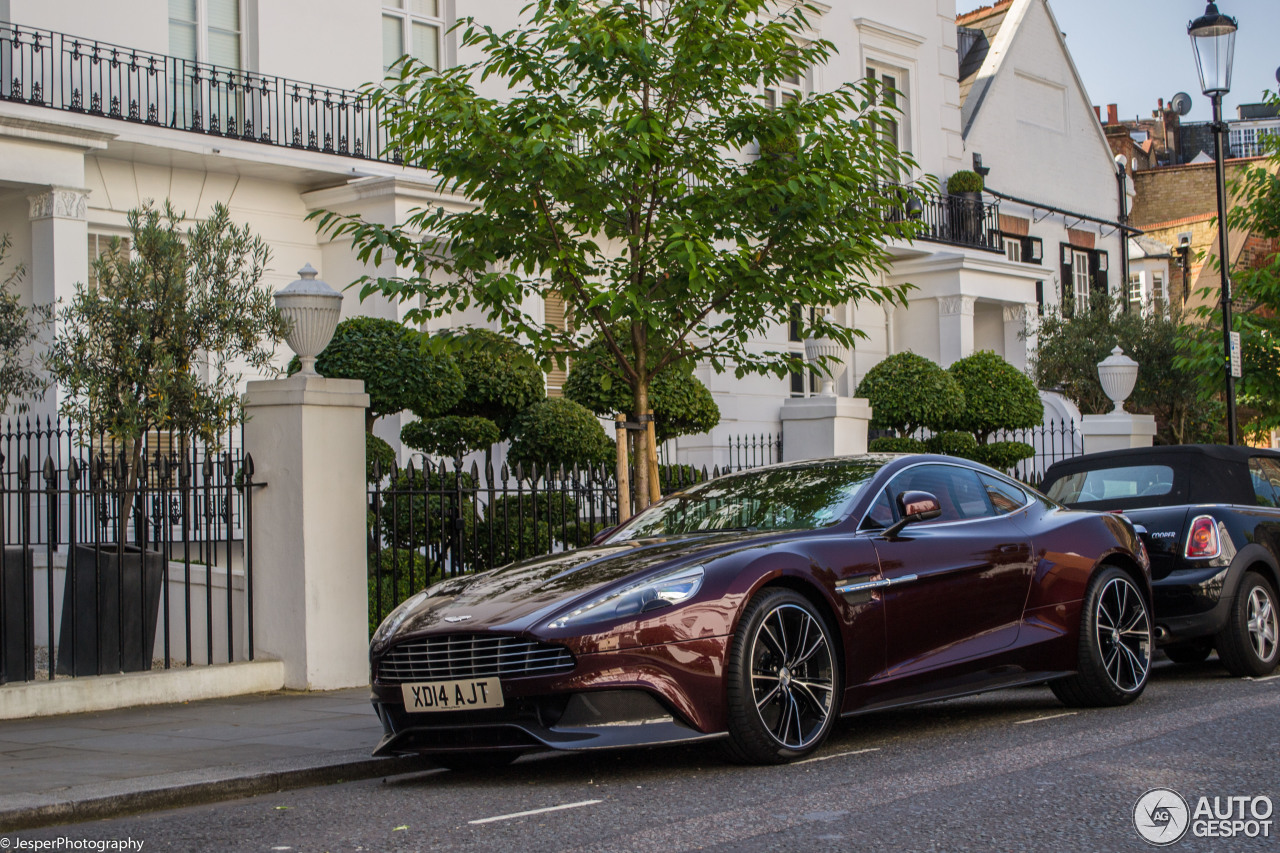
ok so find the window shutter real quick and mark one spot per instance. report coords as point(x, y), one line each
point(556, 317)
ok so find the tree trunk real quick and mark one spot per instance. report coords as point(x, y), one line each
point(640, 490)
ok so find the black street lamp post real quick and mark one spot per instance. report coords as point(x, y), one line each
point(1213, 38)
point(1124, 230)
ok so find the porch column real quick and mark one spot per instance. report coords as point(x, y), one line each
point(59, 257)
point(1017, 320)
point(955, 328)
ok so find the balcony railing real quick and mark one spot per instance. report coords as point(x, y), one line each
point(78, 75)
point(64, 72)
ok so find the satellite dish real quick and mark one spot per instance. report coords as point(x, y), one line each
point(1181, 102)
point(1278, 75)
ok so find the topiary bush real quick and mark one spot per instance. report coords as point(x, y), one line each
point(997, 396)
point(501, 380)
point(377, 455)
point(420, 511)
point(682, 404)
point(451, 435)
point(964, 181)
point(953, 444)
point(1003, 455)
point(398, 371)
point(890, 444)
point(556, 432)
point(502, 542)
point(908, 391)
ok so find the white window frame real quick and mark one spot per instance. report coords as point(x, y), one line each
point(1080, 279)
point(1136, 292)
point(1012, 249)
point(202, 33)
point(407, 18)
point(782, 91)
point(901, 77)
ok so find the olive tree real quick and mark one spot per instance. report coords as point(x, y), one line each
point(620, 175)
point(128, 349)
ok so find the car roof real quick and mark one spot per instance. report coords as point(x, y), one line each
point(1203, 473)
point(1223, 452)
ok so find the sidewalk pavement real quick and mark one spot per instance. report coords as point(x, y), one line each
point(80, 767)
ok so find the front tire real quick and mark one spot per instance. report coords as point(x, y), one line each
point(1115, 644)
point(1248, 643)
point(783, 680)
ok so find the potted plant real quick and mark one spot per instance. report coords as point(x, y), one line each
point(964, 189)
point(151, 347)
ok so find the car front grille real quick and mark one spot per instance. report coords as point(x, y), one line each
point(470, 656)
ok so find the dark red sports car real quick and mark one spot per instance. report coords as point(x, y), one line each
point(759, 607)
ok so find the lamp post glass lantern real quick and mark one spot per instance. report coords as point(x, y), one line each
point(1213, 39)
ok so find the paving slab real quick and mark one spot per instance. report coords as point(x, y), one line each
point(108, 763)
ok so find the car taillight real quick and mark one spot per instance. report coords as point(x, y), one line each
point(1202, 541)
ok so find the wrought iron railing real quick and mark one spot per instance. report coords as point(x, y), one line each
point(107, 570)
point(80, 75)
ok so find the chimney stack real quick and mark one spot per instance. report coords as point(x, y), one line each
point(1113, 114)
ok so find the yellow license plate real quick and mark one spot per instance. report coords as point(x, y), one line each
point(463, 695)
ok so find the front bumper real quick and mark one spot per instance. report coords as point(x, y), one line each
point(650, 695)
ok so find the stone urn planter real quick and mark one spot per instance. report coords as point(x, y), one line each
point(312, 309)
point(819, 351)
point(1118, 374)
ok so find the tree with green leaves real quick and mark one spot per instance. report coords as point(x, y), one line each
point(500, 379)
point(997, 396)
point(681, 404)
point(21, 327)
point(908, 391)
point(620, 174)
point(154, 344)
point(558, 431)
point(1255, 281)
point(1068, 350)
point(400, 372)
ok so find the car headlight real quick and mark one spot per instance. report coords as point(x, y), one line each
point(651, 593)
point(396, 617)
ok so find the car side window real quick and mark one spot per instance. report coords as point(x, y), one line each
point(881, 514)
point(1265, 474)
point(958, 490)
point(1005, 497)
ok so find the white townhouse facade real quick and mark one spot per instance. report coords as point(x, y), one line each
point(253, 103)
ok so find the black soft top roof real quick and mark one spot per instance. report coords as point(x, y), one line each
point(1203, 473)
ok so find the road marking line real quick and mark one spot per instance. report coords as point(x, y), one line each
point(1042, 719)
point(1268, 678)
point(534, 811)
point(838, 755)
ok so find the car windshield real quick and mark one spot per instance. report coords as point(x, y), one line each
point(799, 498)
point(1107, 484)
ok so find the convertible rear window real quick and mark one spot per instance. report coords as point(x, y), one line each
point(797, 498)
point(1107, 484)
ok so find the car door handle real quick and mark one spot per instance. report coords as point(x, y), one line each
point(865, 586)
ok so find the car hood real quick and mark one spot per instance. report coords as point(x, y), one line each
point(518, 596)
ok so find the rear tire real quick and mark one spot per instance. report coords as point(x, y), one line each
point(1247, 645)
point(1115, 644)
point(1192, 651)
point(784, 684)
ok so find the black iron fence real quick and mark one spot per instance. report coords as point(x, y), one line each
point(1052, 441)
point(80, 75)
point(107, 569)
point(962, 221)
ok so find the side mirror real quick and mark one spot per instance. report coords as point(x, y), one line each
point(913, 507)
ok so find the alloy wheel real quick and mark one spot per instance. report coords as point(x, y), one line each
point(792, 676)
point(1124, 634)
point(1262, 624)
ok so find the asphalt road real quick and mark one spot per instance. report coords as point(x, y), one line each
point(1011, 771)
